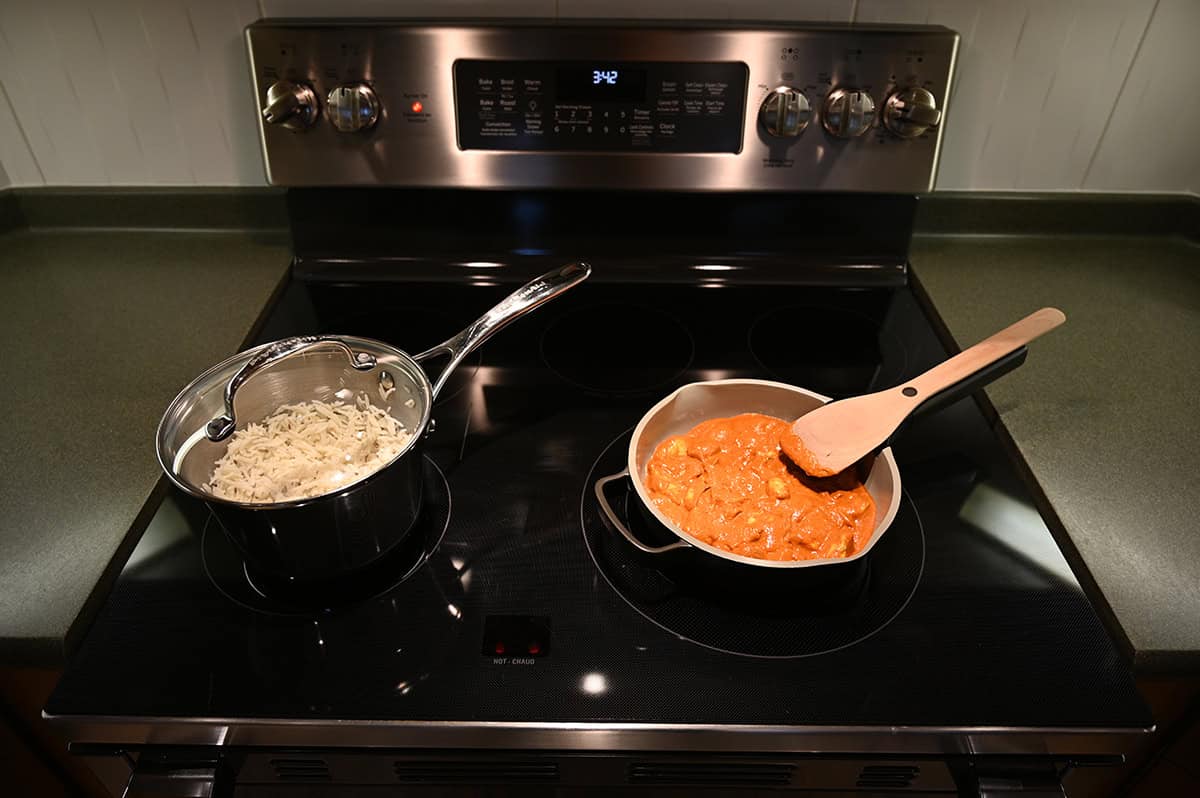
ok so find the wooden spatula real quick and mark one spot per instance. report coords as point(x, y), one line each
point(835, 436)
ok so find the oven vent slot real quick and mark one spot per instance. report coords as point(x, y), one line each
point(711, 773)
point(433, 771)
point(296, 769)
point(888, 777)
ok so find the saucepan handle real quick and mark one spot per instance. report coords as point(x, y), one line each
point(620, 526)
point(514, 306)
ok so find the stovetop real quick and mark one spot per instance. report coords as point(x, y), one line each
point(517, 603)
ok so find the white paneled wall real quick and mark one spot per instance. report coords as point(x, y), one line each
point(1050, 94)
point(1151, 137)
point(1037, 81)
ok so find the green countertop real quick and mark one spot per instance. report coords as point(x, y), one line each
point(101, 327)
point(1108, 419)
point(99, 330)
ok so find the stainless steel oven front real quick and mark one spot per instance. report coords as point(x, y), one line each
point(796, 108)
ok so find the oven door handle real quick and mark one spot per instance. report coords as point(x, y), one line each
point(1035, 779)
point(997, 787)
point(177, 779)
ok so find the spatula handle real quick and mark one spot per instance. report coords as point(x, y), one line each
point(965, 364)
point(969, 385)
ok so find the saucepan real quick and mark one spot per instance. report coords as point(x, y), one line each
point(341, 533)
point(700, 401)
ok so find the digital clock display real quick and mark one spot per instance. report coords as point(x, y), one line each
point(588, 83)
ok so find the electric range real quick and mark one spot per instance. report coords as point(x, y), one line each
point(519, 639)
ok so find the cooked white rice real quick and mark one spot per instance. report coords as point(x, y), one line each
point(306, 450)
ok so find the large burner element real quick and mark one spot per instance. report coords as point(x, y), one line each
point(845, 353)
point(613, 348)
point(741, 619)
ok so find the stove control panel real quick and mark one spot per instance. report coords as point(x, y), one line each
point(600, 106)
point(623, 106)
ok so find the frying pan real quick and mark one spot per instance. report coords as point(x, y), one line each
point(700, 401)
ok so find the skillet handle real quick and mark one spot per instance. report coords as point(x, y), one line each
point(620, 526)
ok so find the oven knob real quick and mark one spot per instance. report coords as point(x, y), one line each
point(911, 112)
point(785, 112)
point(848, 113)
point(293, 105)
point(352, 108)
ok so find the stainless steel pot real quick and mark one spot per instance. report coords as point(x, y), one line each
point(700, 401)
point(350, 529)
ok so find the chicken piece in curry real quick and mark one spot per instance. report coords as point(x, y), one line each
point(726, 483)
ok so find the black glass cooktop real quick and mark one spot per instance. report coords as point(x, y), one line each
point(517, 602)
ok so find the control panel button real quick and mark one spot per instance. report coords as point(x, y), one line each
point(785, 112)
point(910, 112)
point(848, 113)
point(352, 108)
point(293, 105)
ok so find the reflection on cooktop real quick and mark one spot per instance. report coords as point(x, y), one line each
point(794, 618)
point(385, 648)
point(617, 348)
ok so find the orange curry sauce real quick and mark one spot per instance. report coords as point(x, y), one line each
point(726, 483)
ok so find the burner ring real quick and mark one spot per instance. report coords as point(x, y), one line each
point(617, 349)
point(859, 608)
point(228, 573)
point(836, 366)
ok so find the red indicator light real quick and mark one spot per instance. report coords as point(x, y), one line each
point(417, 107)
point(535, 648)
point(499, 648)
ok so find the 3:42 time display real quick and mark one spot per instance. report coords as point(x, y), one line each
point(603, 83)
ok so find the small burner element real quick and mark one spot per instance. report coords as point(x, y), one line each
point(617, 349)
point(803, 622)
point(830, 350)
point(237, 582)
